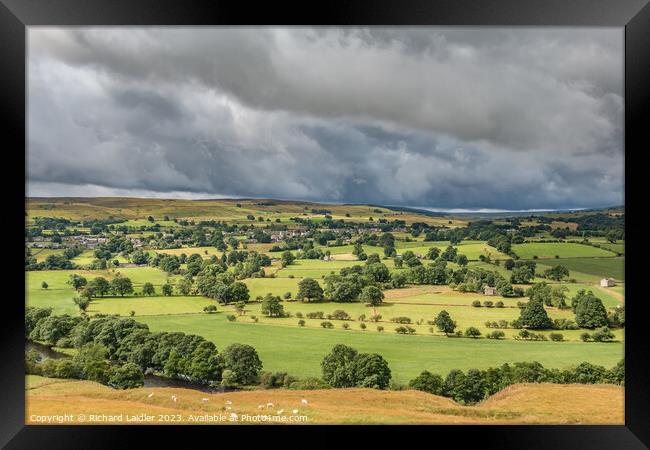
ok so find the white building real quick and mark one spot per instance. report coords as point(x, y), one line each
point(607, 282)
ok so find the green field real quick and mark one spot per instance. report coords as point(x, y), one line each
point(315, 268)
point(59, 295)
point(591, 269)
point(299, 351)
point(561, 249)
point(154, 305)
point(88, 257)
point(41, 254)
point(205, 252)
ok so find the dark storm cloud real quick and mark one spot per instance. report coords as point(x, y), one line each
point(459, 118)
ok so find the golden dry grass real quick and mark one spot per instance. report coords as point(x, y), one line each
point(519, 404)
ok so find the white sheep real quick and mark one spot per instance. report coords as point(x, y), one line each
point(205, 399)
point(260, 406)
point(304, 402)
point(228, 402)
point(269, 405)
point(295, 411)
point(150, 395)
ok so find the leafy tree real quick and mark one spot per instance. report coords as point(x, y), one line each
point(410, 259)
point(372, 295)
point(127, 376)
point(371, 370)
point(287, 258)
point(398, 280)
point(121, 286)
point(92, 362)
point(454, 385)
point(433, 253)
point(271, 306)
point(77, 281)
point(184, 286)
point(474, 389)
point(557, 273)
point(52, 328)
point(461, 260)
point(338, 367)
point(358, 250)
point(33, 316)
point(167, 289)
point(522, 274)
point(204, 364)
point(139, 257)
point(449, 254)
point(239, 292)
point(169, 263)
point(603, 335)
point(472, 332)
point(444, 323)
point(534, 316)
point(378, 272)
point(99, 286)
point(243, 361)
point(590, 312)
point(82, 302)
point(148, 289)
point(427, 382)
point(558, 296)
point(373, 259)
point(310, 290)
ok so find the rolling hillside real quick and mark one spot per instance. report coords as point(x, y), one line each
point(518, 404)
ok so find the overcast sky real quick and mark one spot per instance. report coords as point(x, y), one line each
point(501, 118)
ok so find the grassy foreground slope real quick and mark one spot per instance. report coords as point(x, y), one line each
point(518, 404)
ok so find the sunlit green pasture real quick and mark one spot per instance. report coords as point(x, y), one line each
point(299, 351)
point(590, 269)
point(560, 249)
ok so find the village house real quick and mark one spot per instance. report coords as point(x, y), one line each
point(607, 282)
point(489, 290)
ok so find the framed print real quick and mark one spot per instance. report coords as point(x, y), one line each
point(398, 215)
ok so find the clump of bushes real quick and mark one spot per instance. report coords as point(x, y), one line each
point(401, 319)
point(210, 309)
point(472, 332)
point(405, 329)
point(339, 314)
point(497, 334)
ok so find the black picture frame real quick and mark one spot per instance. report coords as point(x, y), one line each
point(632, 15)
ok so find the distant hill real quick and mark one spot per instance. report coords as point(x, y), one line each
point(237, 210)
point(231, 210)
point(517, 404)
